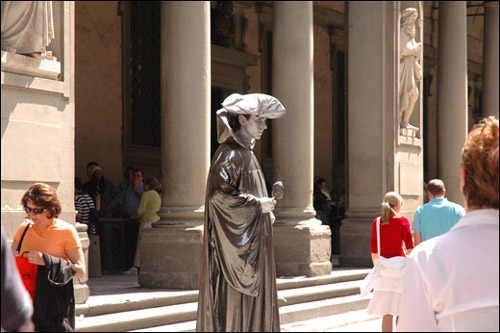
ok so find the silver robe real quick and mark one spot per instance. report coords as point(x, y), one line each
point(238, 278)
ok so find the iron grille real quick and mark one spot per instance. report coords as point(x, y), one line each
point(145, 49)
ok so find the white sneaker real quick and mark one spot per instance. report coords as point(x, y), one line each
point(131, 271)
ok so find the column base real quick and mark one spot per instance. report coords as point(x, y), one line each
point(170, 256)
point(355, 247)
point(302, 249)
point(82, 291)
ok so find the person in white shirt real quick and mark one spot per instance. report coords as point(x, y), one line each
point(451, 281)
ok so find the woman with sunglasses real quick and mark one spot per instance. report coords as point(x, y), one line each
point(54, 246)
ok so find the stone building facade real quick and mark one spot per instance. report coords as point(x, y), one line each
point(138, 84)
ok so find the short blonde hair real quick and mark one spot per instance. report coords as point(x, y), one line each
point(480, 163)
point(43, 195)
point(391, 200)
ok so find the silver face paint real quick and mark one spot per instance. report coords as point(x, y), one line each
point(254, 127)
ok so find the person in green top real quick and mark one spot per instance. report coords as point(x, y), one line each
point(147, 213)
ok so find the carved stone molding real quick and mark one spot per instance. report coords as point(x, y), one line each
point(265, 13)
point(229, 68)
point(323, 16)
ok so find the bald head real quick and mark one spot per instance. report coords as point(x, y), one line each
point(435, 188)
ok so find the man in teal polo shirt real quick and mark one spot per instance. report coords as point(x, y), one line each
point(438, 215)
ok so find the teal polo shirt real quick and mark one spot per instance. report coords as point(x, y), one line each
point(436, 217)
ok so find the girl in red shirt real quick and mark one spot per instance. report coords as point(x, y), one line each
point(394, 230)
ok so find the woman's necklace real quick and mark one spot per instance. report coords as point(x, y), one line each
point(41, 230)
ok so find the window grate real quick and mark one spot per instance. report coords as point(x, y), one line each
point(145, 50)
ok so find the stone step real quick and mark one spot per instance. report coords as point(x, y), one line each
point(301, 304)
point(316, 293)
point(137, 319)
point(322, 308)
point(101, 305)
point(144, 298)
point(331, 313)
point(344, 275)
point(344, 322)
point(187, 326)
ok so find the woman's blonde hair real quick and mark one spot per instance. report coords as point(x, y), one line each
point(480, 163)
point(391, 200)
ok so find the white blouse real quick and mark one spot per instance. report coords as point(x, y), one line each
point(451, 281)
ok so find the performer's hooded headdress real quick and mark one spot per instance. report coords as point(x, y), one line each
point(250, 104)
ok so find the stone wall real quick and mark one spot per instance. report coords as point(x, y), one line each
point(38, 129)
point(98, 88)
point(38, 126)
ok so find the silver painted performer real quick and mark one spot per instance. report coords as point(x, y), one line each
point(238, 277)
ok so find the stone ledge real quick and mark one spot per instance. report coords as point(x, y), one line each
point(21, 64)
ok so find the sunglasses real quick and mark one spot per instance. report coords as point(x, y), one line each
point(34, 210)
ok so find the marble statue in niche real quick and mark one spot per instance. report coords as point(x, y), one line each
point(410, 69)
point(27, 27)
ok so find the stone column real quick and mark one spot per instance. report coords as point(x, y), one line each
point(301, 243)
point(171, 250)
point(82, 291)
point(379, 158)
point(490, 59)
point(452, 94)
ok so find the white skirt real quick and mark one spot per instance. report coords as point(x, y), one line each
point(384, 303)
point(386, 293)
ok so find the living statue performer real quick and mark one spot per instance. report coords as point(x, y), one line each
point(410, 69)
point(238, 278)
point(27, 27)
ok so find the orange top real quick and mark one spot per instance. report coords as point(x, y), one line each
point(53, 240)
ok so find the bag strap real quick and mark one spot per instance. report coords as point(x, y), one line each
point(22, 237)
point(378, 236)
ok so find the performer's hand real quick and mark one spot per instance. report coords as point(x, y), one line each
point(273, 218)
point(267, 204)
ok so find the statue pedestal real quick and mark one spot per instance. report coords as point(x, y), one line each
point(170, 256)
point(38, 67)
point(408, 132)
point(302, 248)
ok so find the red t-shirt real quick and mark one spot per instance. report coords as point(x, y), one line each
point(392, 236)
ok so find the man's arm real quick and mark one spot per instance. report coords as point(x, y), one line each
point(418, 238)
point(417, 228)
